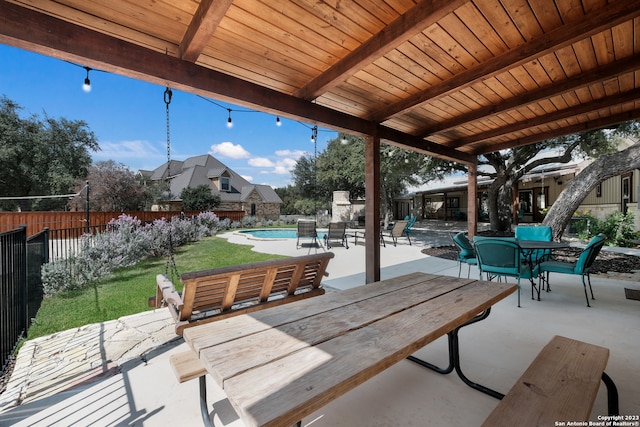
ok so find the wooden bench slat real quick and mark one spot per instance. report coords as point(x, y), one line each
point(267, 284)
point(187, 366)
point(560, 384)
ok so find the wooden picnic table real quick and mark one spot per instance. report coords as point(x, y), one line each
point(281, 364)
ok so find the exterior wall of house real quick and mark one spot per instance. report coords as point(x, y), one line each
point(608, 197)
point(601, 202)
point(230, 206)
point(262, 210)
point(449, 205)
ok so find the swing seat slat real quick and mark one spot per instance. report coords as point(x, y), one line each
point(210, 295)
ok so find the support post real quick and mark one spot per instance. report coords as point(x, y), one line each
point(372, 208)
point(472, 199)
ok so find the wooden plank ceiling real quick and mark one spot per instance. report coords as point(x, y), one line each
point(451, 78)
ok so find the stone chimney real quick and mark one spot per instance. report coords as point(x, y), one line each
point(341, 207)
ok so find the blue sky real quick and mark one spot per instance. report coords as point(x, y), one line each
point(128, 118)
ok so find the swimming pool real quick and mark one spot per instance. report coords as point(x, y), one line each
point(274, 233)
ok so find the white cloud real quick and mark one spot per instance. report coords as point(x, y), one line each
point(247, 177)
point(280, 163)
point(281, 170)
point(289, 163)
point(261, 162)
point(228, 149)
point(293, 154)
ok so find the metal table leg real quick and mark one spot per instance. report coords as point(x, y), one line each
point(612, 395)
point(454, 358)
point(203, 402)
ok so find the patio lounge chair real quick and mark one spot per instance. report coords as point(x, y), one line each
point(408, 228)
point(337, 233)
point(306, 229)
point(398, 230)
point(501, 257)
point(466, 253)
point(580, 267)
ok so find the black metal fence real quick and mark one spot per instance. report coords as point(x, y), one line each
point(21, 293)
point(21, 289)
point(37, 255)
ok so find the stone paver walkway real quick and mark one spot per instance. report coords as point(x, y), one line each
point(61, 361)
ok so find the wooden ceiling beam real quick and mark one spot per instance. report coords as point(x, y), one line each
point(201, 28)
point(595, 105)
point(404, 140)
point(598, 75)
point(592, 23)
point(407, 25)
point(567, 130)
point(44, 34)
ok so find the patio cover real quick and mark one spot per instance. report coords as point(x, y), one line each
point(454, 79)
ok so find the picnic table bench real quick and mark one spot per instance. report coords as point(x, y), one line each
point(560, 385)
point(218, 293)
point(277, 366)
point(317, 353)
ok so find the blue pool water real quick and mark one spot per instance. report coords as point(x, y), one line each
point(275, 233)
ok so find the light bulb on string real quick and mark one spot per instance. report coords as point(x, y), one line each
point(278, 122)
point(229, 121)
point(86, 86)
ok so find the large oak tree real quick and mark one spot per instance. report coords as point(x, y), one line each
point(41, 157)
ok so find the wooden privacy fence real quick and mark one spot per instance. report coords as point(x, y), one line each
point(38, 221)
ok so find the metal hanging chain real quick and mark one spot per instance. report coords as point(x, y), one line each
point(170, 268)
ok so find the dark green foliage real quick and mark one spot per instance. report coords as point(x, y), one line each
point(199, 198)
point(41, 157)
point(618, 228)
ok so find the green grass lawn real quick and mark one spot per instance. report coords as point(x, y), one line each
point(128, 290)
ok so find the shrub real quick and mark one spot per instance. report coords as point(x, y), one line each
point(123, 244)
point(224, 224)
point(618, 228)
point(249, 221)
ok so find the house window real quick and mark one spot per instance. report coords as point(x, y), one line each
point(253, 209)
point(453, 202)
point(626, 188)
point(599, 190)
point(525, 198)
point(224, 184)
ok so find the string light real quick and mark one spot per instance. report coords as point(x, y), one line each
point(86, 86)
point(314, 129)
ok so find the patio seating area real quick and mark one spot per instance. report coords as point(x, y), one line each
point(140, 388)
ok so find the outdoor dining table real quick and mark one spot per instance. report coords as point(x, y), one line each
point(528, 248)
point(542, 245)
point(283, 363)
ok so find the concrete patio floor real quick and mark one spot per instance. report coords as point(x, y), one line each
point(143, 391)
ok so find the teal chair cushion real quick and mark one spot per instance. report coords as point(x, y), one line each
point(559, 267)
point(542, 232)
point(589, 253)
point(464, 245)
